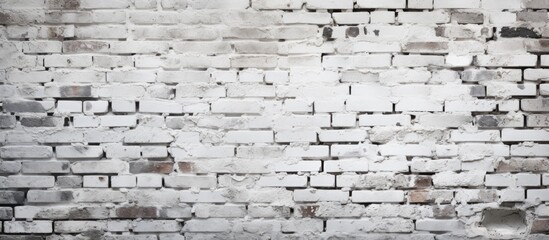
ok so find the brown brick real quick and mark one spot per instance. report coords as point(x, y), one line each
point(186, 167)
point(308, 211)
point(136, 212)
point(151, 167)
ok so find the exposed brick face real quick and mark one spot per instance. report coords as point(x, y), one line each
point(274, 119)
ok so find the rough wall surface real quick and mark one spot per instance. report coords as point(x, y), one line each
point(274, 119)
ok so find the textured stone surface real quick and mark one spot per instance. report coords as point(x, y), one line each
point(274, 119)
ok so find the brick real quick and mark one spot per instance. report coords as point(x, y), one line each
point(282, 181)
point(79, 152)
point(118, 121)
point(378, 196)
point(27, 106)
point(49, 196)
point(351, 62)
point(28, 181)
point(101, 167)
point(439, 225)
point(208, 225)
point(28, 227)
point(67, 61)
point(69, 106)
point(446, 179)
point(96, 181)
point(123, 181)
point(435, 17)
point(506, 61)
point(330, 4)
point(235, 106)
point(286, 4)
point(524, 135)
point(190, 181)
point(368, 225)
point(454, 4)
point(45, 167)
point(26, 152)
point(381, 4)
point(249, 137)
point(351, 17)
point(317, 195)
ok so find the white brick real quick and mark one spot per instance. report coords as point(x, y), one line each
point(372, 61)
point(524, 135)
point(535, 194)
point(417, 61)
point(382, 17)
point(381, 4)
point(208, 225)
point(428, 165)
point(118, 121)
point(123, 106)
point(512, 195)
point(123, 181)
point(317, 195)
point(298, 135)
point(434, 17)
point(420, 4)
point(322, 180)
point(351, 17)
point(149, 106)
point(85, 121)
point(506, 60)
point(156, 226)
point(79, 151)
point(189, 181)
point(28, 181)
point(369, 225)
point(67, 61)
point(346, 166)
point(509, 89)
point(450, 179)
point(344, 119)
point(329, 4)
point(236, 106)
point(28, 227)
point(311, 152)
point(249, 137)
point(96, 181)
point(92, 107)
point(361, 104)
point(439, 225)
point(78, 226)
point(384, 120)
point(390, 196)
point(342, 136)
point(149, 181)
point(282, 181)
point(470, 106)
point(69, 106)
point(285, 4)
point(457, 4)
point(537, 150)
point(418, 105)
point(406, 150)
point(481, 136)
point(501, 4)
point(307, 18)
point(303, 166)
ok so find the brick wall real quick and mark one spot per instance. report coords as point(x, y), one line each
point(274, 119)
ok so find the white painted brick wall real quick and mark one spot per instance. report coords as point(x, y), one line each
point(274, 119)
